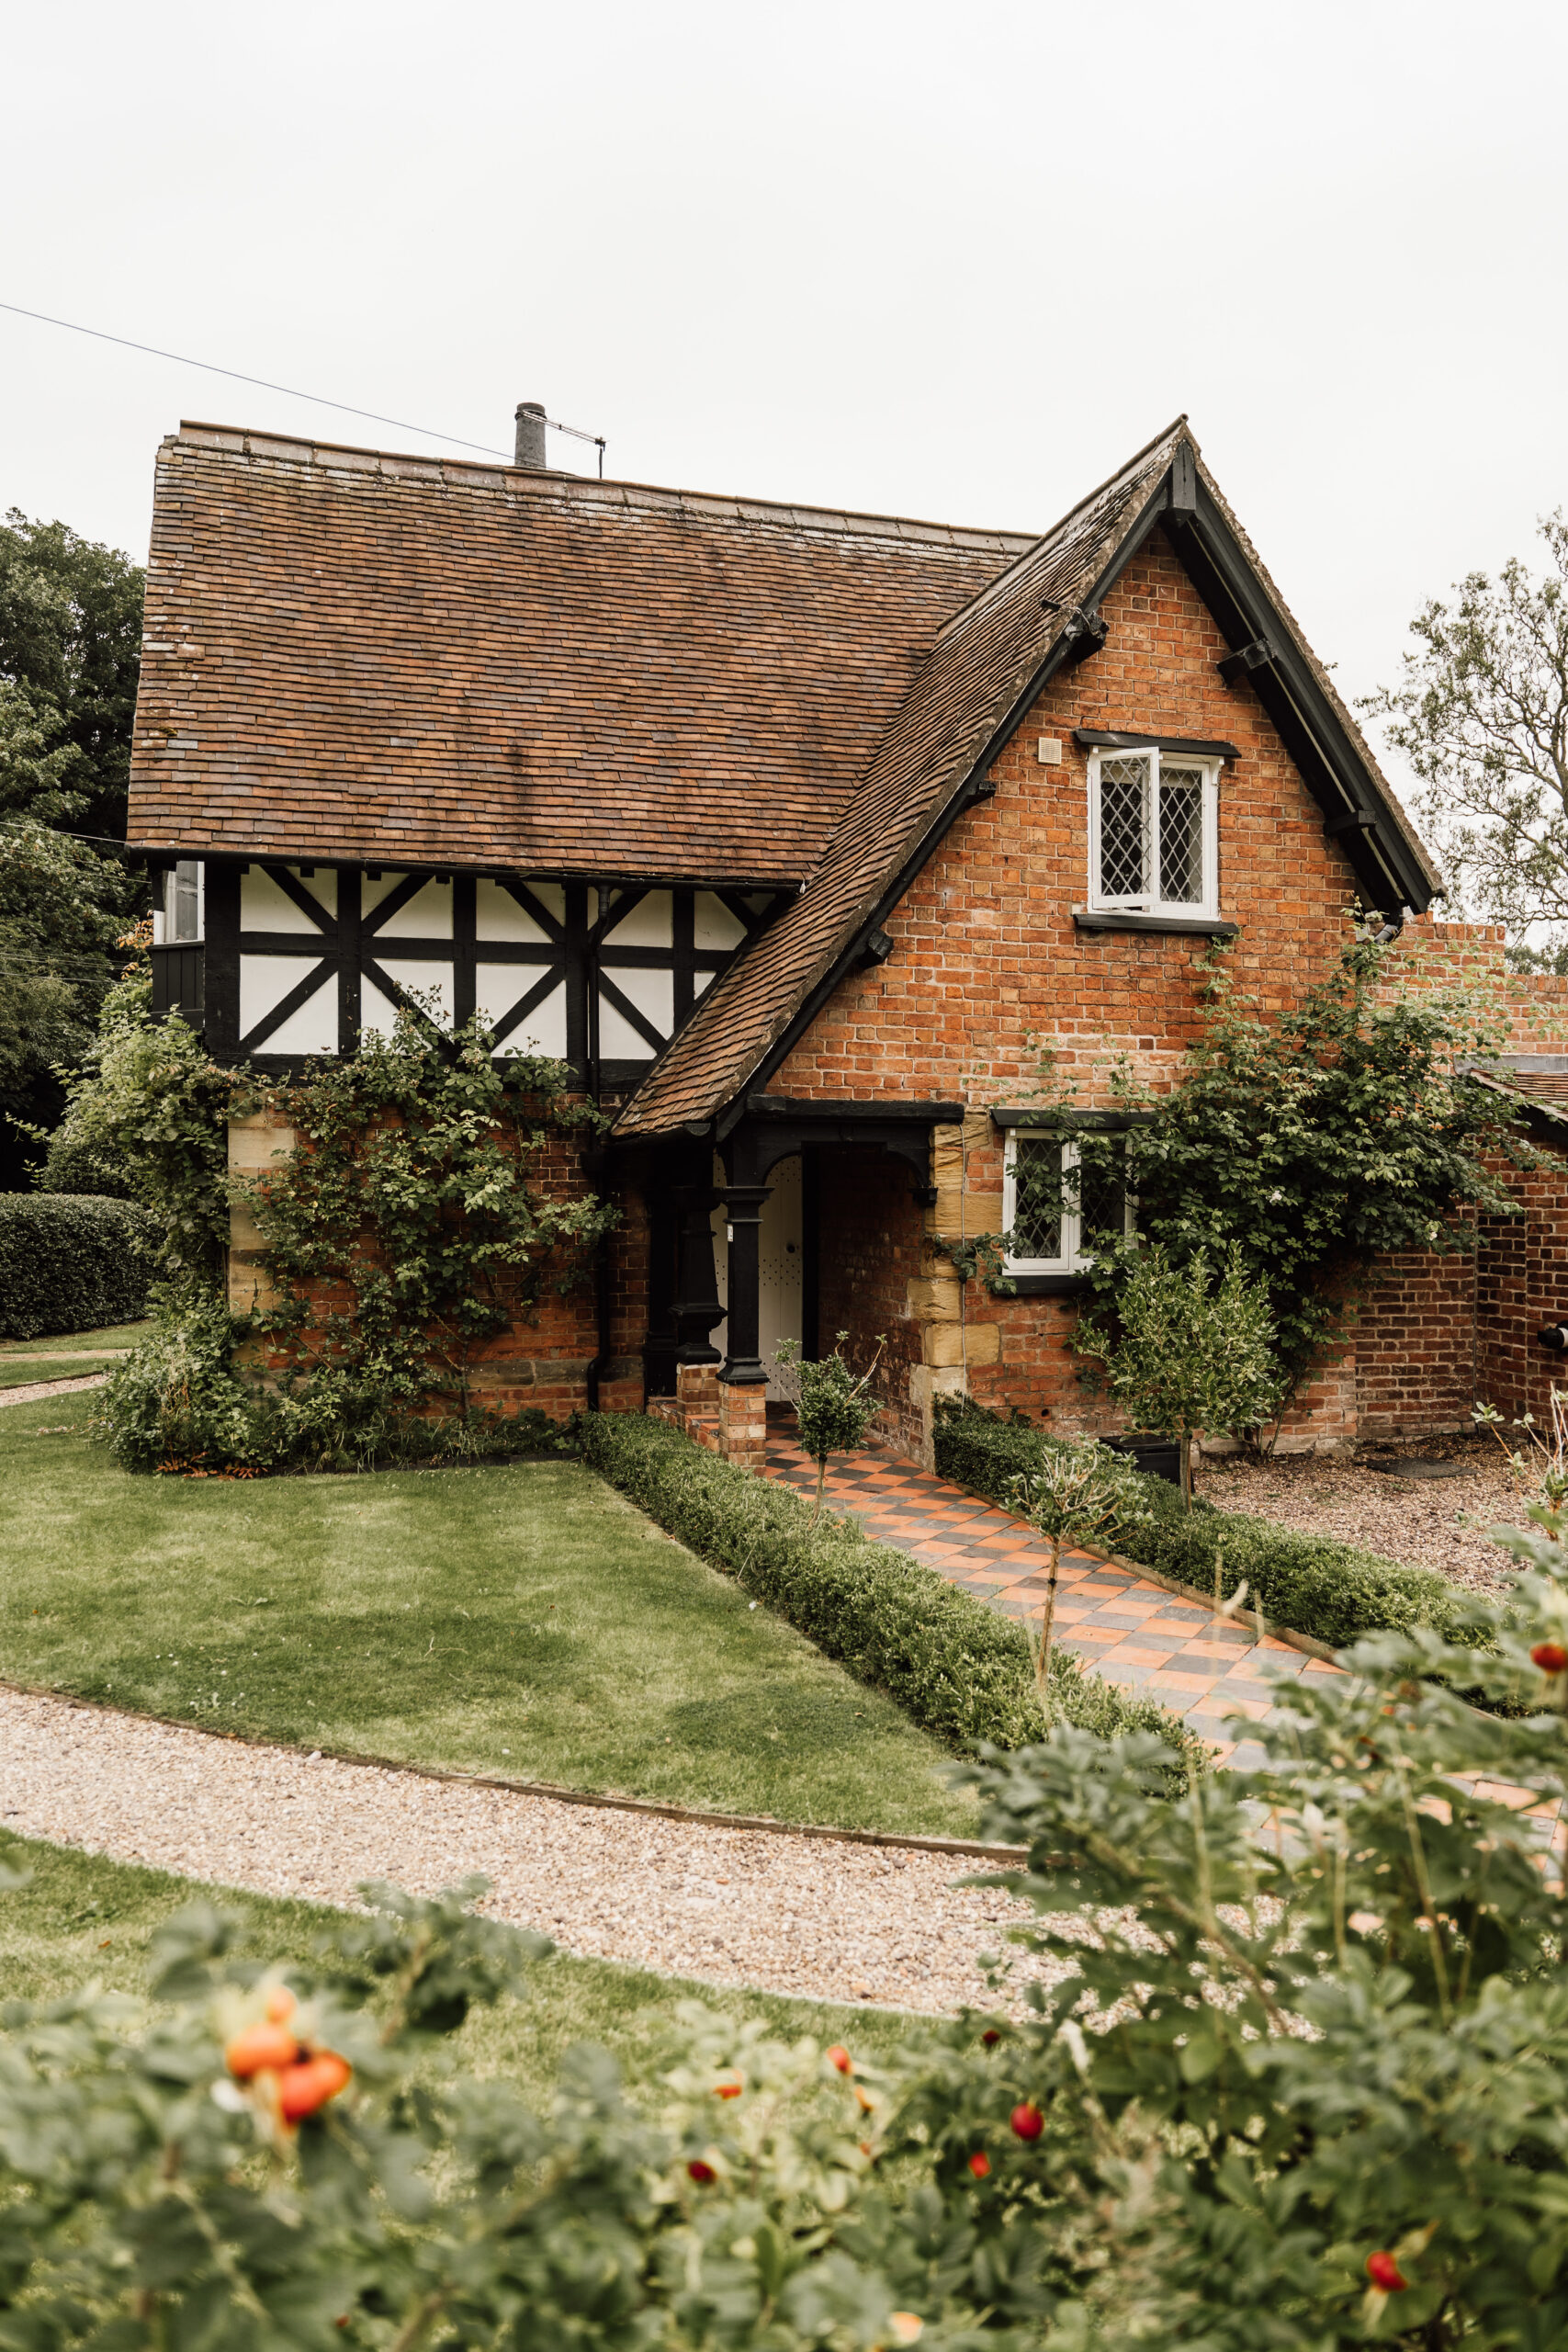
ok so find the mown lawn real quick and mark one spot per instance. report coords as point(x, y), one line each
point(20, 1375)
point(523, 1619)
point(111, 1335)
point(84, 1919)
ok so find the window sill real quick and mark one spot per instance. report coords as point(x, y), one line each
point(1119, 919)
point(1046, 1285)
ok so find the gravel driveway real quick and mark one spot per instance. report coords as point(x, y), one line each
point(786, 1913)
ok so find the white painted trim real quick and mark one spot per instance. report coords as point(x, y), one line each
point(1148, 901)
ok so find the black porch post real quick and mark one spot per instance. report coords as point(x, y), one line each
point(743, 1368)
point(696, 1305)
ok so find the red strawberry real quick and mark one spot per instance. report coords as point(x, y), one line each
point(728, 2085)
point(1385, 2273)
point(1027, 2120)
point(979, 2164)
point(990, 2037)
point(839, 2056)
point(1551, 1656)
point(701, 2173)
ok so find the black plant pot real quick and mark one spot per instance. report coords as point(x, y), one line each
point(1157, 1457)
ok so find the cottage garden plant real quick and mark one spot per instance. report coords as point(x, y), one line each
point(1294, 2085)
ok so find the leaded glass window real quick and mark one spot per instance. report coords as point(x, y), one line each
point(1053, 1204)
point(1152, 830)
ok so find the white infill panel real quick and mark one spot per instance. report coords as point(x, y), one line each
point(651, 924)
point(713, 926)
point(653, 993)
point(497, 915)
point(310, 1030)
point(428, 914)
point(265, 905)
point(543, 1031)
point(265, 980)
point(430, 982)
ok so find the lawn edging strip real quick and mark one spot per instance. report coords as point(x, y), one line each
point(1328, 1593)
point(768, 1824)
point(954, 1666)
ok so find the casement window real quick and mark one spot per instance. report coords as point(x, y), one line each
point(1151, 830)
point(1052, 1203)
point(182, 903)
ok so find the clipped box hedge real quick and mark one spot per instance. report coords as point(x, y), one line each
point(1310, 1584)
point(71, 1262)
point(954, 1664)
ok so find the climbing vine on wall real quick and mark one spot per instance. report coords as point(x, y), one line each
point(427, 1202)
point(1313, 1142)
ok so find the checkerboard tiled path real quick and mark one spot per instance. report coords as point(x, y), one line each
point(1127, 1629)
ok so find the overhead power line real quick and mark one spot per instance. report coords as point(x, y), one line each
point(398, 425)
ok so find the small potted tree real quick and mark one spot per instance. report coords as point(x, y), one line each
point(834, 1406)
point(1082, 1493)
point(1189, 1353)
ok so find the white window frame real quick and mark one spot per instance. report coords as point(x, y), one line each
point(163, 922)
point(1146, 902)
point(1074, 1258)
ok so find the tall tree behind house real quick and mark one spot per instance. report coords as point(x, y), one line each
point(70, 647)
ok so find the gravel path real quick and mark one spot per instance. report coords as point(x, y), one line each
point(28, 1390)
point(1419, 1522)
point(789, 1915)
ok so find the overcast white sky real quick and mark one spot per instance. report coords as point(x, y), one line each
point(900, 256)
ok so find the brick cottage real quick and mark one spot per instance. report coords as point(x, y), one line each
point(810, 840)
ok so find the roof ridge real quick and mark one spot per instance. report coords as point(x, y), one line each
point(616, 491)
point(1025, 555)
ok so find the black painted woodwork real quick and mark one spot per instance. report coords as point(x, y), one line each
point(349, 948)
point(178, 982)
point(743, 1367)
point(1130, 739)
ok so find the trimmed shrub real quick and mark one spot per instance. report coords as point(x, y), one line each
point(71, 1262)
point(954, 1664)
point(1331, 1591)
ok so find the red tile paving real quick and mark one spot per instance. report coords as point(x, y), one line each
point(1138, 1635)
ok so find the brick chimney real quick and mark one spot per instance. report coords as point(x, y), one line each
point(531, 437)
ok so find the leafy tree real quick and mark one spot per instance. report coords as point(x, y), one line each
point(1188, 1355)
point(70, 651)
point(1082, 1493)
point(834, 1406)
point(62, 911)
point(1481, 714)
point(1313, 1142)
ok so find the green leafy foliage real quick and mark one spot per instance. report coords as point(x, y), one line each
point(834, 1406)
point(149, 2198)
point(1307, 2016)
point(64, 910)
point(1313, 1142)
point(951, 1664)
point(1188, 1353)
point(1081, 1493)
point(70, 652)
point(1311, 1583)
point(150, 1110)
point(1480, 712)
point(403, 1230)
point(70, 1265)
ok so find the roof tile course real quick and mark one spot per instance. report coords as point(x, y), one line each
point(353, 655)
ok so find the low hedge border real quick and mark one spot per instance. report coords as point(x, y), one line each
point(954, 1666)
point(1330, 1591)
point(71, 1262)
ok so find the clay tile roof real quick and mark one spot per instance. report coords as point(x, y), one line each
point(983, 661)
point(351, 654)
